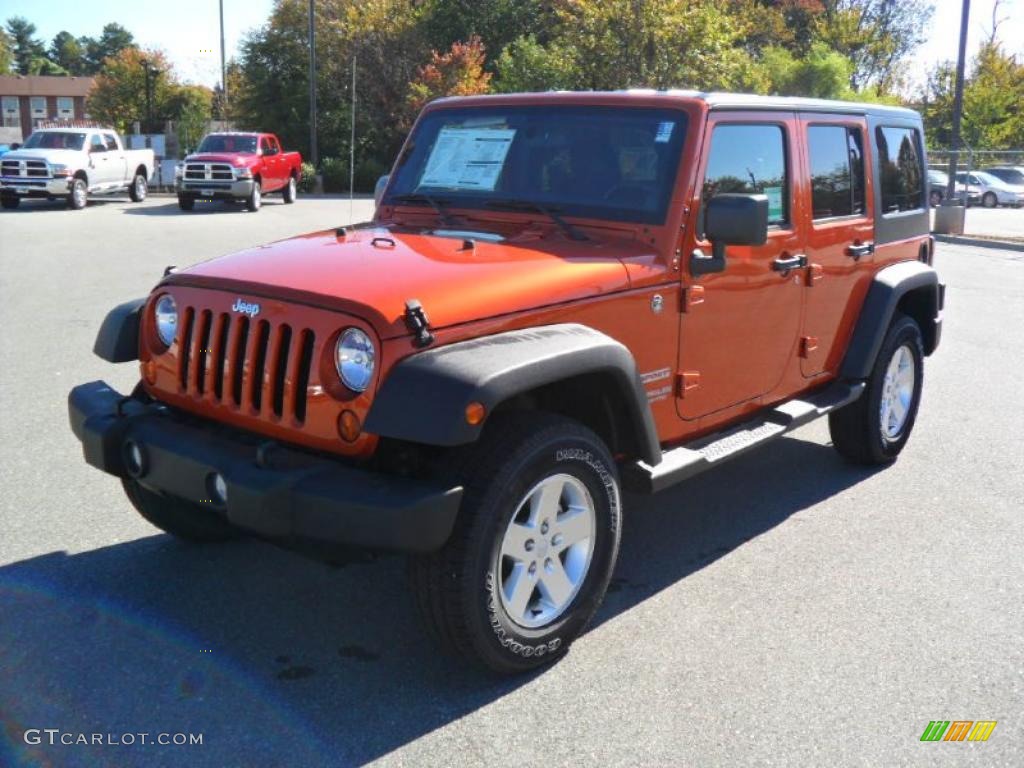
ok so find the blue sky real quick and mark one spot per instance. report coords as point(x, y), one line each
point(188, 30)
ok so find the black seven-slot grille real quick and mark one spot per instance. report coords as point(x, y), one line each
point(250, 365)
point(35, 168)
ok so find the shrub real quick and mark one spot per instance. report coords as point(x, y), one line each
point(335, 173)
point(308, 180)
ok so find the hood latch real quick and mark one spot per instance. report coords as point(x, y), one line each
point(417, 322)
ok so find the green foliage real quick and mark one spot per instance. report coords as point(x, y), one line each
point(6, 52)
point(68, 52)
point(191, 106)
point(335, 173)
point(823, 73)
point(993, 112)
point(526, 65)
point(308, 179)
point(25, 46)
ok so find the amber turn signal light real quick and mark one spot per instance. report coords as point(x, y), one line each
point(475, 413)
point(349, 426)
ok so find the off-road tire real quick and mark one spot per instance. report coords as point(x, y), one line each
point(455, 589)
point(857, 428)
point(255, 198)
point(186, 202)
point(178, 517)
point(289, 191)
point(989, 200)
point(10, 202)
point(78, 195)
point(138, 189)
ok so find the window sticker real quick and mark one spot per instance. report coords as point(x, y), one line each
point(775, 210)
point(467, 158)
point(664, 133)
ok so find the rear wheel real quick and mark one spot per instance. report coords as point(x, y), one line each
point(138, 189)
point(874, 428)
point(533, 548)
point(9, 201)
point(255, 199)
point(290, 190)
point(176, 516)
point(186, 203)
point(989, 200)
point(78, 195)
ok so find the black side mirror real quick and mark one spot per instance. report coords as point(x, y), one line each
point(730, 219)
point(15, 146)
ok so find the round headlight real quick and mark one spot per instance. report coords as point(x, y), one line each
point(355, 357)
point(166, 315)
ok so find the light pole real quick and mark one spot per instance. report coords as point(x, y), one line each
point(949, 217)
point(313, 153)
point(148, 70)
point(223, 68)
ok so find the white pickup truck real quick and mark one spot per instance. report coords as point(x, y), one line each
point(73, 163)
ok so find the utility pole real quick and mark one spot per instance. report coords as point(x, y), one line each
point(147, 70)
point(352, 148)
point(314, 157)
point(958, 100)
point(223, 68)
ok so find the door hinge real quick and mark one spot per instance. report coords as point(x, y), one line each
point(815, 272)
point(692, 296)
point(807, 345)
point(686, 382)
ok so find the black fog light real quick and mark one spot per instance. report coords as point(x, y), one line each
point(217, 487)
point(134, 458)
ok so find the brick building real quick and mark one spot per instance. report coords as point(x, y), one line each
point(27, 99)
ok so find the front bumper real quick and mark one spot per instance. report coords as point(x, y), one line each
point(34, 186)
point(214, 190)
point(272, 490)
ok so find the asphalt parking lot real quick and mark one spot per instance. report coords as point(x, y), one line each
point(785, 609)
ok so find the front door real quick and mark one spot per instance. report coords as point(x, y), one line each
point(840, 237)
point(740, 327)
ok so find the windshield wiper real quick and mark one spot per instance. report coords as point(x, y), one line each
point(418, 198)
point(551, 213)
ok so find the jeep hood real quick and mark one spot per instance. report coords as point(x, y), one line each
point(372, 272)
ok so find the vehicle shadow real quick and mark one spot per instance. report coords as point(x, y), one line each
point(276, 659)
point(201, 208)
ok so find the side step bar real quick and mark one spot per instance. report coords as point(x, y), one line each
point(684, 462)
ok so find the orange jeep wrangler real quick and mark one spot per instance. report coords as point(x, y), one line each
point(561, 295)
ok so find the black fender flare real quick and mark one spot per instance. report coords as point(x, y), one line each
point(913, 280)
point(423, 398)
point(118, 339)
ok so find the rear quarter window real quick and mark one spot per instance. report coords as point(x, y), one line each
point(902, 172)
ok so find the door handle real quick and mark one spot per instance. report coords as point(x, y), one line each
point(857, 250)
point(787, 263)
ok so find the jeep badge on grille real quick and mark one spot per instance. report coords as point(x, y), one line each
point(245, 308)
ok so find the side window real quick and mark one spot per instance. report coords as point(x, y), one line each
point(110, 141)
point(750, 159)
point(96, 143)
point(837, 171)
point(899, 156)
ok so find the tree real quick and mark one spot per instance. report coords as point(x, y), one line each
point(191, 107)
point(68, 53)
point(458, 72)
point(823, 73)
point(6, 52)
point(25, 46)
point(119, 96)
point(526, 65)
point(112, 40)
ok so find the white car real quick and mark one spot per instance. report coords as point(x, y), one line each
point(994, 191)
point(73, 163)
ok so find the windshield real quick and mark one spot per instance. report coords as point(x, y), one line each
point(215, 143)
point(55, 140)
point(594, 162)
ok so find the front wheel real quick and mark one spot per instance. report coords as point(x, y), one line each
point(290, 190)
point(139, 188)
point(533, 549)
point(78, 195)
point(9, 202)
point(176, 516)
point(255, 199)
point(989, 200)
point(186, 202)
point(874, 428)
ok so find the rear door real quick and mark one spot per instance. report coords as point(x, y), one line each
point(840, 236)
point(739, 330)
point(117, 165)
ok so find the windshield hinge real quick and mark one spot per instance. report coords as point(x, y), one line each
point(417, 322)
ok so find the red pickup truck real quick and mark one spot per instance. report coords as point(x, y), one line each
point(237, 166)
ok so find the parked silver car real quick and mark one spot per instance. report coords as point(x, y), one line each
point(1011, 174)
point(994, 191)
